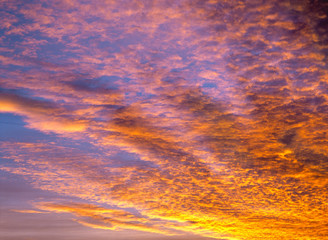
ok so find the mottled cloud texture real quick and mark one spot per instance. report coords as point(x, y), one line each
point(172, 117)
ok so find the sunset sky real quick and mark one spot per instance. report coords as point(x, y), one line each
point(163, 119)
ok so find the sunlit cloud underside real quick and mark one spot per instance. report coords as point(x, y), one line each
point(174, 117)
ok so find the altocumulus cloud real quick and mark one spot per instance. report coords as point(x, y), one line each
point(203, 117)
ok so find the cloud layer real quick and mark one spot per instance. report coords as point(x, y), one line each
point(202, 117)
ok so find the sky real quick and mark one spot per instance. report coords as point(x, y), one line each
point(163, 119)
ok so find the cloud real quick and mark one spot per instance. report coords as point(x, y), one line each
point(28, 211)
point(202, 117)
point(113, 218)
point(41, 115)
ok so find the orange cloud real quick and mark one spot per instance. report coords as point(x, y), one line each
point(113, 218)
point(204, 117)
point(40, 115)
